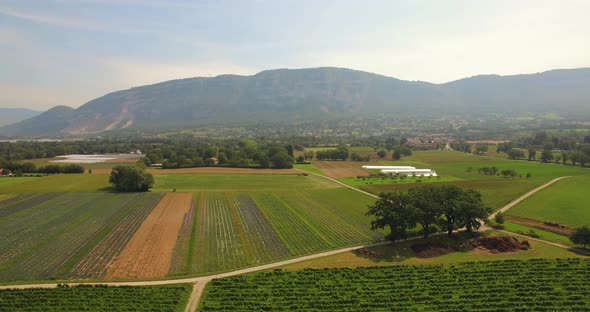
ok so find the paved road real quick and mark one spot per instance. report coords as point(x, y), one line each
point(199, 283)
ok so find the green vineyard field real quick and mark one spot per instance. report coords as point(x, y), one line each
point(96, 298)
point(536, 284)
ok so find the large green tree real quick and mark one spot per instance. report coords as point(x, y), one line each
point(581, 236)
point(130, 179)
point(395, 210)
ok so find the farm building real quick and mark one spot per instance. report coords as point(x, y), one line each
point(388, 167)
point(416, 172)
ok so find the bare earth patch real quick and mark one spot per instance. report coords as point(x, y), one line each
point(149, 252)
point(342, 169)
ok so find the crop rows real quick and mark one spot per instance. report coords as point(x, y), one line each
point(536, 284)
point(97, 298)
point(95, 263)
point(48, 239)
point(22, 202)
point(180, 263)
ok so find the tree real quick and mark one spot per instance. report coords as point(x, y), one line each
point(546, 156)
point(472, 211)
point(532, 153)
point(565, 157)
point(459, 208)
point(395, 210)
point(282, 160)
point(130, 179)
point(424, 199)
point(581, 236)
point(382, 153)
point(515, 153)
point(397, 154)
point(499, 218)
point(557, 159)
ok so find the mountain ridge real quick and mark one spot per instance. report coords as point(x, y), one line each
point(324, 92)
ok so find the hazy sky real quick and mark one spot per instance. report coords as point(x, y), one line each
point(66, 52)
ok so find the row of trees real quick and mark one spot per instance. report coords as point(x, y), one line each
point(446, 206)
point(19, 168)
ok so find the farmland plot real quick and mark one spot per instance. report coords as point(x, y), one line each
point(46, 240)
point(95, 263)
point(233, 233)
point(149, 252)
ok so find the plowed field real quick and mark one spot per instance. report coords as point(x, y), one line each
point(341, 169)
point(149, 252)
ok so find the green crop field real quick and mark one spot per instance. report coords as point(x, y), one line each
point(565, 202)
point(537, 284)
point(51, 235)
point(96, 298)
point(10, 181)
point(248, 224)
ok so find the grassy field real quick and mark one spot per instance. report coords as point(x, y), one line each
point(536, 284)
point(58, 183)
point(565, 202)
point(541, 234)
point(99, 298)
point(402, 254)
point(496, 191)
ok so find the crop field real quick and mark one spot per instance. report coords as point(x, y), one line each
point(536, 284)
point(96, 298)
point(149, 252)
point(238, 229)
point(565, 202)
point(341, 169)
point(48, 236)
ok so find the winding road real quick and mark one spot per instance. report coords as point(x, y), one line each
point(199, 283)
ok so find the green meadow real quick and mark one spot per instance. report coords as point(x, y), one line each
point(565, 202)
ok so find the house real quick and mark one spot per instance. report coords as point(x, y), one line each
point(215, 160)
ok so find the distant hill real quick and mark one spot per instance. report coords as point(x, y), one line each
point(12, 115)
point(320, 93)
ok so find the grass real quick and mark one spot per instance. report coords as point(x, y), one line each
point(10, 181)
point(541, 234)
point(389, 181)
point(99, 298)
point(536, 284)
point(58, 183)
point(309, 168)
point(237, 182)
point(401, 254)
point(565, 202)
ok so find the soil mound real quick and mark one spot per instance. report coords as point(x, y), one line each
point(499, 244)
point(429, 250)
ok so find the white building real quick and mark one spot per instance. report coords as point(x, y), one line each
point(388, 167)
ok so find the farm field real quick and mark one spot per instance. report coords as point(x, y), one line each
point(96, 298)
point(401, 253)
point(546, 284)
point(149, 252)
point(341, 169)
point(565, 202)
point(239, 229)
point(58, 183)
point(49, 235)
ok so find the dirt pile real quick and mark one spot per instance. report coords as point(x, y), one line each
point(429, 250)
point(498, 244)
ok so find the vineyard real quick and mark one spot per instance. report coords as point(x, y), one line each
point(537, 284)
point(67, 235)
point(241, 229)
point(96, 298)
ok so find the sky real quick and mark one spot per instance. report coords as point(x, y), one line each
point(67, 52)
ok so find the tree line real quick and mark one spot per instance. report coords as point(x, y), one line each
point(447, 207)
point(20, 168)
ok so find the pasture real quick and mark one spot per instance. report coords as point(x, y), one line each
point(536, 284)
point(565, 202)
point(96, 298)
